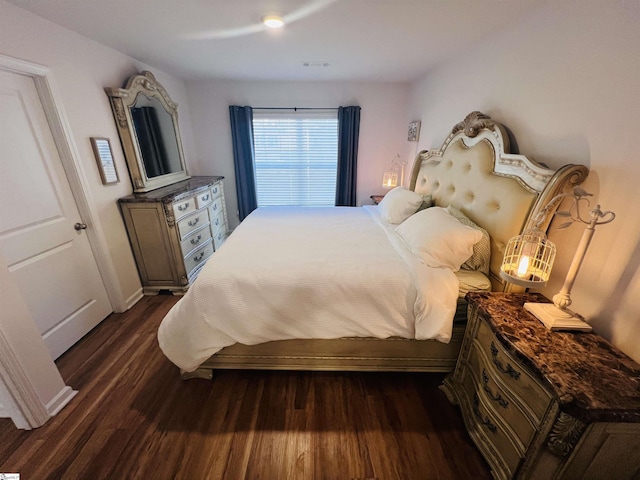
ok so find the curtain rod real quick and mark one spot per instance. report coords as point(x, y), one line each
point(295, 109)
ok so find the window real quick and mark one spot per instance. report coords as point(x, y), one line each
point(296, 157)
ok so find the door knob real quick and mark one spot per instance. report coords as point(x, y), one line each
point(80, 226)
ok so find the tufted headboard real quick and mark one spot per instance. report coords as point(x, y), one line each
point(476, 172)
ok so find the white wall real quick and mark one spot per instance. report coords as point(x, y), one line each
point(383, 124)
point(82, 69)
point(566, 81)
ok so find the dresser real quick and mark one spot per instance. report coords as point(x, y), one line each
point(174, 230)
point(545, 405)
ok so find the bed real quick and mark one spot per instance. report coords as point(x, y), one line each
point(356, 288)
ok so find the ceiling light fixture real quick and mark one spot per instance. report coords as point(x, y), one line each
point(273, 21)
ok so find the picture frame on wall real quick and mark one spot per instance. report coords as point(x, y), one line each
point(104, 158)
point(414, 131)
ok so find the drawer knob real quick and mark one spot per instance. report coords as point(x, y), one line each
point(182, 208)
point(215, 206)
point(496, 397)
point(197, 258)
point(483, 420)
point(205, 197)
point(195, 241)
point(509, 370)
point(194, 221)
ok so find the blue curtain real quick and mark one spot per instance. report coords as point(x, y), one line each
point(348, 131)
point(243, 158)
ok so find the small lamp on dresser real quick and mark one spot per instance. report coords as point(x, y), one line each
point(390, 178)
point(529, 258)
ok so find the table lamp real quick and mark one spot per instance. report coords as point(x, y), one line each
point(529, 257)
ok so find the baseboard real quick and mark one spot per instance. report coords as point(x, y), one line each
point(58, 402)
point(133, 299)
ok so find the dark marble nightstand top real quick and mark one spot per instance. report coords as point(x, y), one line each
point(171, 193)
point(377, 198)
point(592, 379)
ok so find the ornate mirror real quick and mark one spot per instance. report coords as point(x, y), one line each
point(147, 121)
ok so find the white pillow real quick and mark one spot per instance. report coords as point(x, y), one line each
point(399, 204)
point(438, 239)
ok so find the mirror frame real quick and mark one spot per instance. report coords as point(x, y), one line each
point(122, 100)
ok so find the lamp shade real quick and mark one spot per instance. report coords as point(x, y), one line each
point(528, 259)
point(390, 179)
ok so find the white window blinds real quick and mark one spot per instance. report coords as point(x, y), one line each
point(296, 157)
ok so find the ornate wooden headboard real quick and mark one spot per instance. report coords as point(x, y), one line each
point(475, 171)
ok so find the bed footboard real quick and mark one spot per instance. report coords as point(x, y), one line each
point(344, 354)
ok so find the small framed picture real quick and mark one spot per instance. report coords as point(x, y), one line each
point(104, 157)
point(414, 131)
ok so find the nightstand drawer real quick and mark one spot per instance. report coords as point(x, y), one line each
point(195, 239)
point(197, 257)
point(503, 403)
point(512, 375)
point(193, 222)
point(489, 427)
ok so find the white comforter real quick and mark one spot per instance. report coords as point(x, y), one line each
point(290, 272)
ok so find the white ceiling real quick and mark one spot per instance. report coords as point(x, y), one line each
point(374, 40)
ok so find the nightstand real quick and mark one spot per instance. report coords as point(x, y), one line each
point(541, 404)
point(377, 198)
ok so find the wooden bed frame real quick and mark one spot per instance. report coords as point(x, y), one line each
point(475, 171)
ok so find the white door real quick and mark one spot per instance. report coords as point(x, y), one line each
point(49, 259)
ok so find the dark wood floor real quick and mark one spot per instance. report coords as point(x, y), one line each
point(134, 418)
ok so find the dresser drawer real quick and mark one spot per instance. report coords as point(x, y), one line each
point(216, 206)
point(197, 257)
point(220, 237)
point(512, 375)
point(504, 406)
point(195, 240)
point(216, 190)
point(217, 222)
point(193, 222)
point(184, 207)
point(203, 199)
point(490, 429)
